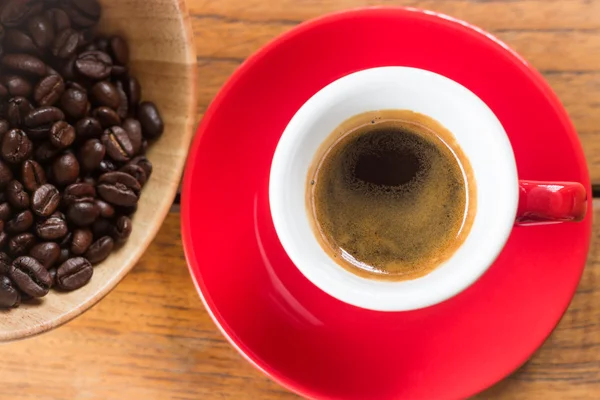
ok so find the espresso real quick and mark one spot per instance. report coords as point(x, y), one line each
point(391, 195)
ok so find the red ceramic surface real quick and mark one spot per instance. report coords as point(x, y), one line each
point(314, 344)
point(550, 202)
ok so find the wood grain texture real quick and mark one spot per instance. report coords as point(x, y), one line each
point(164, 62)
point(152, 339)
point(561, 38)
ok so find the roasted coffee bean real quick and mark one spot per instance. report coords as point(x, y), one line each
point(5, 263)
point(44, 115)
point(20, 223)
point(16, 146)
point(9, 295)
point(150, 119)
point(119, 188)
point(106, 116)
point(47, 253)
point(53, 228)
point(41, 30)
point(30, 276)
point(83, 13)
point(82, 239)
point(105, 94)
point(134, 92)
point(16, 12)
point(20, 244)
point(17, 109)
point(24, 64)
point(6, 175)
point(119, 50)
point(74, 102)
point(5, 212)
point(62, 135)
point(88, 128)
point(66, 43)
point(3, 95)
point(83, 213)
point(136, 171)
point(134, 131)
point(32, 175)
point(59, 19)
point(118, 144)
point(39, 121)
point(16, 195)
point(78, 192)
point(17, 86)
point(45, 200)
point(74, 273)
point(91, 155)
point(17, 41)
point(49, 90)
point(122, 229)
point(95, 65)
point(123, 109)
point(65, 169)
point(100, 250)
point(106, 210)
point(45, 152)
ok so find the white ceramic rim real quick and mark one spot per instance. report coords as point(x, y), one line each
point(481, 137)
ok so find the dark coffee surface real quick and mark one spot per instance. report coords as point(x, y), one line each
point(390, 196)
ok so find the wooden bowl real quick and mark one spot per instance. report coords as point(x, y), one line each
point(163, 59)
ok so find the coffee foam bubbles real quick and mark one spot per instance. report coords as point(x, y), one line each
point(375, 218)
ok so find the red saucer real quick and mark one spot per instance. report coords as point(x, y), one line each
point(320, 347)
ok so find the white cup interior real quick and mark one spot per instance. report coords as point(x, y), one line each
point(477, 131)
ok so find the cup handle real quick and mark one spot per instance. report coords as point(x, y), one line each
point(550, 202)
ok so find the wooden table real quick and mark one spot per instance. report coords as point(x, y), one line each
point(151, 337)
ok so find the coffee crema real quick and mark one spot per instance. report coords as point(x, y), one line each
point(391, 195)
